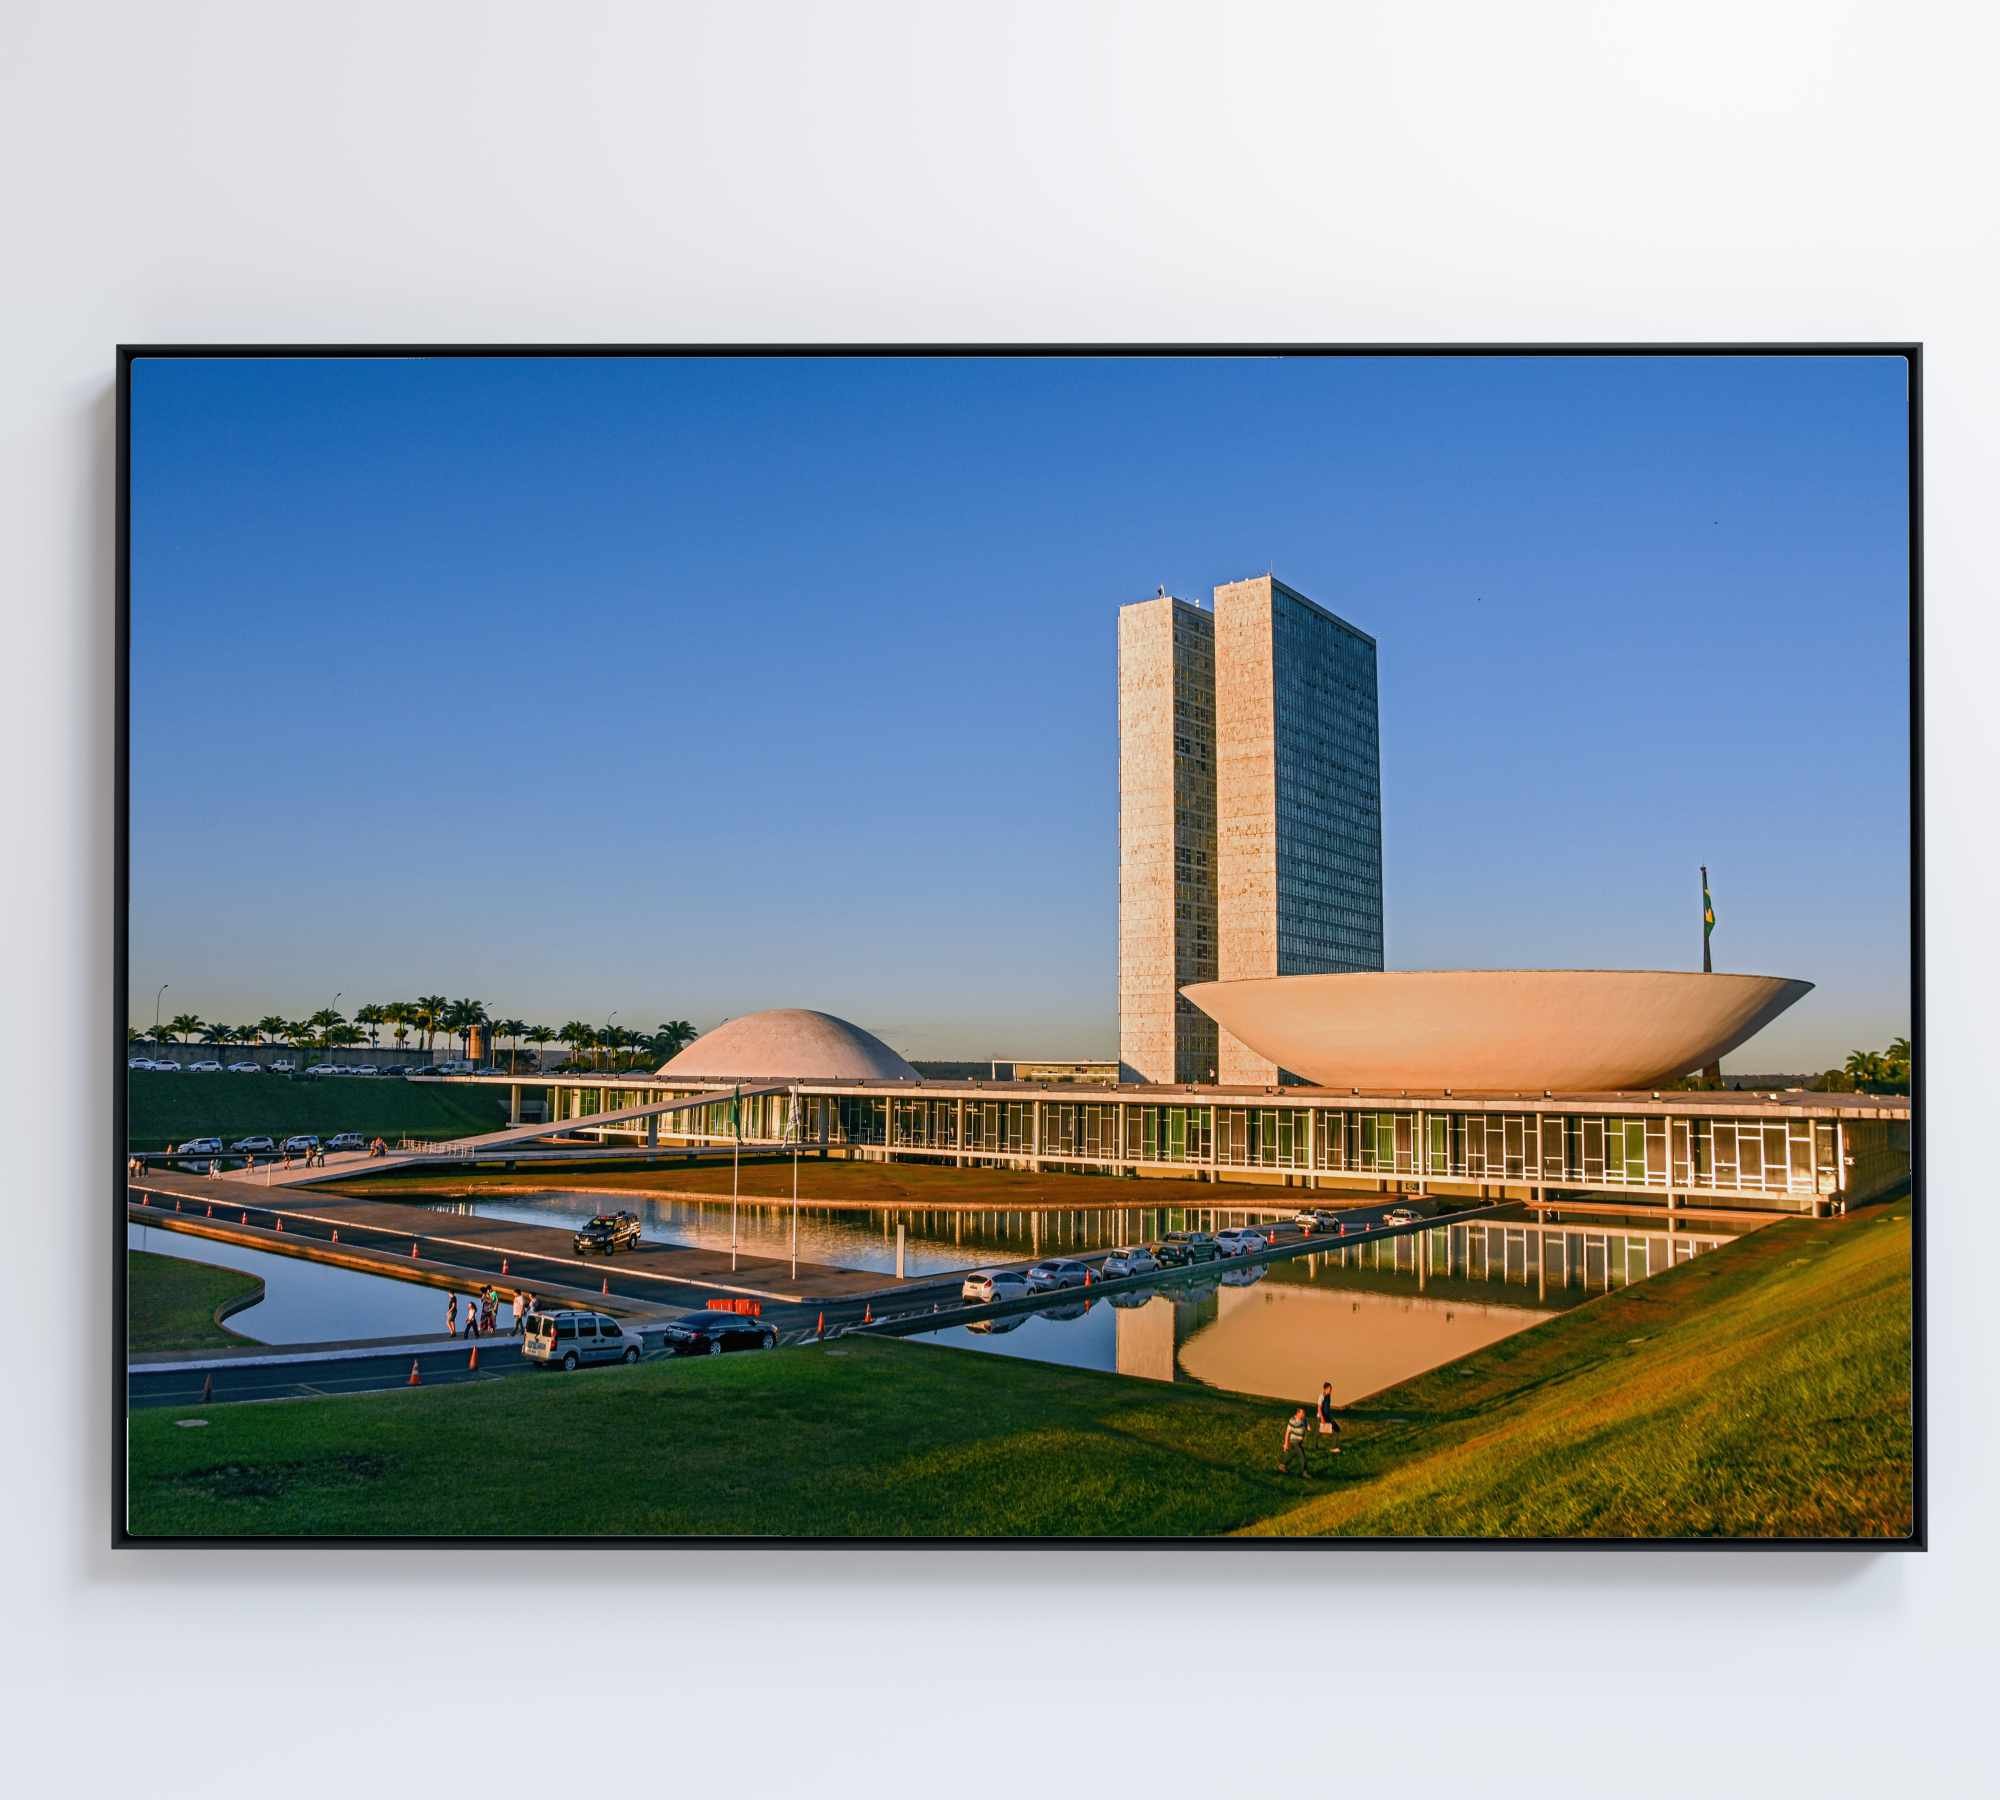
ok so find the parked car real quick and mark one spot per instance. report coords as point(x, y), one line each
point(302, 1144)
point(255, 1146)
point(359, 1069)
point(246, 1068)
point(1006, 1322)
point(207, 1066)
point(202, 1146)
point(1401, 1215)
point(138, 1062)
point(1056, 1272)
point(1179, 1249)
point(322, 1069)
point(607, 1232)
point(347, 1140)
point(711, 1333)
point(566, 1339)
point(1240, 1240)
point(1137, 1260)
point(283, 1066)
point(1318, 1222)
point(397, 1069)
point(994, 1284)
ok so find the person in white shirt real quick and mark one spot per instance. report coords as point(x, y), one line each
point(520, 1311)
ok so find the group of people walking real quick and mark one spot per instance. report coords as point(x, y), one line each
point(482, 1312)
point(1303, 1426)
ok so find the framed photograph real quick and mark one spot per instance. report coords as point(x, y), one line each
point(990, 945)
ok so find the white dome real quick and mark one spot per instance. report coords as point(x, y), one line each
point(788, 1042)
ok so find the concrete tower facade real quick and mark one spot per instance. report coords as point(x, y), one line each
point(1166, 839)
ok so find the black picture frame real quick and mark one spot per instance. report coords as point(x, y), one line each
point(128, 354)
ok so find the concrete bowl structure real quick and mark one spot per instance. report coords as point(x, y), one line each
point(1497, 1030)
point(787, 1043)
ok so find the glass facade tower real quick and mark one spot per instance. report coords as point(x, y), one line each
point(1298, 796)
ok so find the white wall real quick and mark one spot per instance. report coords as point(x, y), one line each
point(506, 172)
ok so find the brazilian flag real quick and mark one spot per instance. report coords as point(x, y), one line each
point(1707, 914)
point(735, 1112)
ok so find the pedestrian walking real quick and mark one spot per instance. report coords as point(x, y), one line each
point(451, 1316)
point(520, 1311)
point(1329, 1426)
point(1295, 1444)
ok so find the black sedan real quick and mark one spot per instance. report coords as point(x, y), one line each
point(711, 1333)
point(608, 1232)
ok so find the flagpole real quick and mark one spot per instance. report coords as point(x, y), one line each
point(795, 1184)
point(735, 1164)
point(1714, 1070)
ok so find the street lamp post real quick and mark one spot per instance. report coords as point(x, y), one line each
point(326, 1037)
point(156, 1015)
point(608, 1017)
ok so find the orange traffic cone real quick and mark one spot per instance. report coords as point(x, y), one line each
point(819, 1330)
point(336, 1234)
point(472, 1361)
point(177, 1206)
point(281, 1224)
point(413, 1246)
point(605, 1288)
point(211, 1209)
point(867, 1313)
point(246, 1218)
point(503, 1265)
point(208, 1387)
point(415, 1380)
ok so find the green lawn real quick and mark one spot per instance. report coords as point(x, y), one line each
point(1762, 1389)
point(170, 1303)
point(164, 1109)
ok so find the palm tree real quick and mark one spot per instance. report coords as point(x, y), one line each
point(428, 1012)
point(673, 1037)
point(182, 1026)
point(510, 1028)
point(270, 1025)
point(323, 1022)
point(222, 1035)
point(133, 1035)
point(1864, 1066)
point(459, 1017)
point(374, 1016)
point(578, 1036)
point(299, 1034)
point(541, 1037)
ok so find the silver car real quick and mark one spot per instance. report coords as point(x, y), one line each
point(994, 1284)
point(1137, 1260)
point(1055, 1273)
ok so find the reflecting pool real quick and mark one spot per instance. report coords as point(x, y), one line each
point(305, 1302)
point(1363, 1317)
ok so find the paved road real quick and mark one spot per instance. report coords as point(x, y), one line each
point(445, 1366)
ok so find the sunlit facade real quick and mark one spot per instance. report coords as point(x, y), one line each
point(1789, 1151)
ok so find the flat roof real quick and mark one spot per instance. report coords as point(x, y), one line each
point(1781, 1101)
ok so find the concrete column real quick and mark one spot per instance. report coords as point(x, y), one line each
point(514, 1104)
point(652, 1130)
point(1035, 1136)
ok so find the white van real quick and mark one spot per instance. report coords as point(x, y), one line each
point(565, 1339)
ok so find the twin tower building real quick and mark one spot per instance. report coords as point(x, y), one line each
point(1249, 814)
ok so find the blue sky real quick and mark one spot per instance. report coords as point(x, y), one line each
point(686, 688)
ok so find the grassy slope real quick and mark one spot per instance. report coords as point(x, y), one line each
point(1761, 1390)
point(1770, 1395)
point(164, 1109)
point(170, 1303)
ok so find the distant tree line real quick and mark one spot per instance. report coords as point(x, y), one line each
point(1864, 1072)
point(433, 1016)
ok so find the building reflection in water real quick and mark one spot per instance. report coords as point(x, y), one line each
point(1364, 1317)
